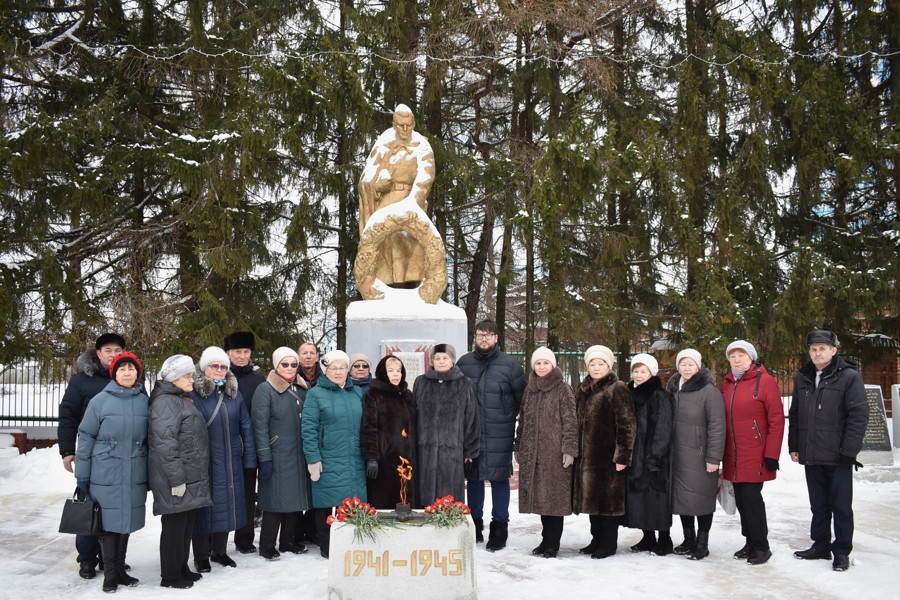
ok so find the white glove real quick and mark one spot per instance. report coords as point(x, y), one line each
point(315, 470)
point(568, 459)
point(179, 490)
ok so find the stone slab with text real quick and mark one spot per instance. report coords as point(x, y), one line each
point(876, 448)
point(415, 561)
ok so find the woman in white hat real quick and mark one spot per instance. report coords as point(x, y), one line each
point(546, 446)
point(606, 430)
point(699, 442)
point(647, 500)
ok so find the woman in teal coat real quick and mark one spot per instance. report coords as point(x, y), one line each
point(332, 415)
point(283, 482)
point(111, 462)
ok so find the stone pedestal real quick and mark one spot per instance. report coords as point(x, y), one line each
point(403, 320)
point(895, 404)
point(419, 562)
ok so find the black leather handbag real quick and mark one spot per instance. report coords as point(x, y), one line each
point(81, 517)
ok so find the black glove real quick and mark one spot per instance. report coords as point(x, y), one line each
point(470, 469)
point(82, 489)
point(372, 469)
point(849, 461)
point(771, 464)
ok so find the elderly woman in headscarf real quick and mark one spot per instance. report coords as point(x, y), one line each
point(388, 434)
point(698, 444)
point(606, 430)
point(448, 427)
point(283, 482)
point(332, 415)
point(231, 450)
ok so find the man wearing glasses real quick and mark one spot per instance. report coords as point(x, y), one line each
point(499, 382)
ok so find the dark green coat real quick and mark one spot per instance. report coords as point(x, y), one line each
point(331, 423)
point(276, 430)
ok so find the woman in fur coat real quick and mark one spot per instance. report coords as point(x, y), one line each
point(546, 446)
point(647, 498)
point(606, 430)
point(231, 450)
point(447, 427)
point(754, 418)
point(283, 480)
point(699, 441)
point(388, 433)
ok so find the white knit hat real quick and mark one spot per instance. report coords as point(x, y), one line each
point(646, 360)
point(691, 354)
point(742, 345)
point(334, 356)
point(359, 356)
point(281, 353)
point(601, 352)
point(211, 355)
point(543, 353)
point(175, 367)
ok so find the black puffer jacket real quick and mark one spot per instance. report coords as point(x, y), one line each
point(499, 383)
point(178, 451)
point(89, 381)
point(830, 421)
point(248, 379)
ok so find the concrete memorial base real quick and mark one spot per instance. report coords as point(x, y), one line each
point(404, 325)
point(414, 561)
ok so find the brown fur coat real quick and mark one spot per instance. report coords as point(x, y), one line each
point(547, 430)
point(606, 429)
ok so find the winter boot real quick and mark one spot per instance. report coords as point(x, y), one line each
point(663, 544)
point(87, 570)
point(596, 535)
point(498, 535)
point(690, 538)
point(701, 549)
point(186, 573)
point(479, 529)
point(123, 577)
point(647, 543)
point(744, 553)
point(109, 545)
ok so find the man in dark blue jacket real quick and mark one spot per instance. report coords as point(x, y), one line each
point(828, 418)
point(240, 346)
point(499, 382)
point(91, 378)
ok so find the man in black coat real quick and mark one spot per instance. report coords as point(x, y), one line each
point(499, 382)
point(240, 346)
point(828, 418)
point(90, 379)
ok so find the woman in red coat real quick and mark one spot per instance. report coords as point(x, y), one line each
point(754, 418)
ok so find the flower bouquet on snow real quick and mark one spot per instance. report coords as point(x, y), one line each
point(446, 512)
point(362, 515)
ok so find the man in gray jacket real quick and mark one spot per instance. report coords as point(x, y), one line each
point(828, 418)
point(499, 382)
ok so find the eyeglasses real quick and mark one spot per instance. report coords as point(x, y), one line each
point(289, 365)
point(484, 336)
point(361, 366)
point(339, 369)
point(218, 367)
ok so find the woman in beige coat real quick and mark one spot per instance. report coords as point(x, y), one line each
point(546, 446)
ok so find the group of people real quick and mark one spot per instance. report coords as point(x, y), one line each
point(318, 430)
point(636, 454)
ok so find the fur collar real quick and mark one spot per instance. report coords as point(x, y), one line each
point(592, 386)
point(388, 387)
point(698, 381)
point(89, 363)
point(280, 385)
point(205, 386)
point(547, 382)
point(453, 373)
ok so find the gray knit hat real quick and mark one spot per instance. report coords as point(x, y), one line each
point(741, 345)
point(175, 367)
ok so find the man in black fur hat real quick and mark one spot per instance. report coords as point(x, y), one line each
point(91, 377)
point(240, 346)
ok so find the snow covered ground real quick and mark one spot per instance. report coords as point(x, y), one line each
point(36, 562)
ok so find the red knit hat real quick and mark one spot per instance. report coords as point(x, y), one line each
point(125, 357)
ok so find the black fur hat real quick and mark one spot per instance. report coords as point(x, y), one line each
point(240, 339)
point(110, 338)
